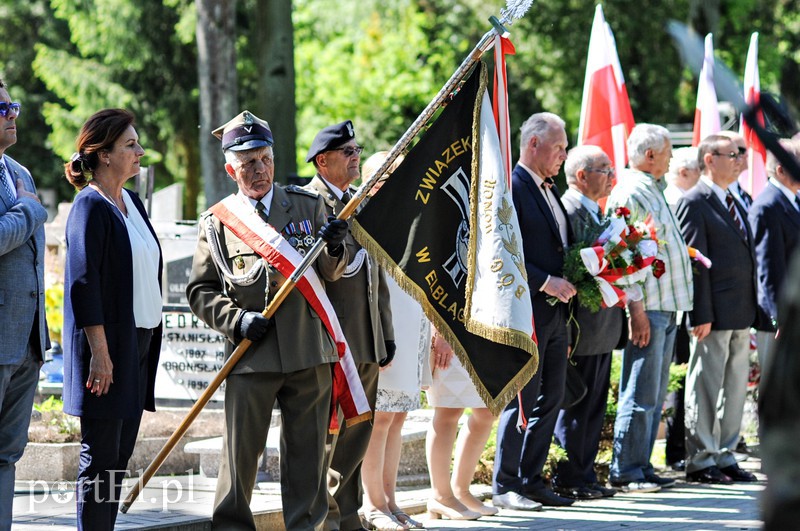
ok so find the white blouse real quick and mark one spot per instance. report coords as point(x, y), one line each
point(147, 298)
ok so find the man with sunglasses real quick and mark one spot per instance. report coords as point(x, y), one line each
point(736, 189)
point(24, 338)
point(361, 300)
point(725, 307)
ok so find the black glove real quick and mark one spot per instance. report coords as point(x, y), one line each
point(253, 326)
point(391, 348)
point(334, 233)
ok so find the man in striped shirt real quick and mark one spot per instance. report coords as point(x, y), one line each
point(652, 321)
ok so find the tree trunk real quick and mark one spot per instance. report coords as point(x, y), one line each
point(216, 69)
point(274, 38)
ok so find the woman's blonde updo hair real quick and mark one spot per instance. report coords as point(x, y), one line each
point(99, 133)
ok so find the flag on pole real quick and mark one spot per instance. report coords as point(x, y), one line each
point(444, 226)
point(706, 113)
point(502, 47)
point(606, 116)
point(755, 179)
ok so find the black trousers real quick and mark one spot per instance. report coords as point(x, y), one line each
point(676, 431)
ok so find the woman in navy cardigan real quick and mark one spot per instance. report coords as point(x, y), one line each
point(112, 311)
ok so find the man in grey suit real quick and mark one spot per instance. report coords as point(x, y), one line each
point(590, 178)
point(715, 223)
point(24, 338)
point(361, 300)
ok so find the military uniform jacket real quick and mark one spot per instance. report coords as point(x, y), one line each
point(296, 339)
point(361, 298)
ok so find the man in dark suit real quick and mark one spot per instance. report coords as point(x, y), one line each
point(361, 300)
point(291, 355)
point(590, 178)
point(715, 223)
point(24, 338)
point(739, 193)
point(546, 233)
point(775, 221)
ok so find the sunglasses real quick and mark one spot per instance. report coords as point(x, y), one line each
point(604, 171)
point(732, 155)
point(349, 151)
point(6, 107)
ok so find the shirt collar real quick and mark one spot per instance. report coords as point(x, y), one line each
point(333, 188)
point(717, 189)
point(788, 193)
point(266, 200)
point(536, 179)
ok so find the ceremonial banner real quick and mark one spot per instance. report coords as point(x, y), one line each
point(755, 179)
point(445, 228)
point(706, 113)
point(502, 47)
point(606, 116)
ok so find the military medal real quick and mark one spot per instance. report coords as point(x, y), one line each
point(239, 262)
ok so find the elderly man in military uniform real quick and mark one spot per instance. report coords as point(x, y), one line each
point(361, 300)
point(291, 353)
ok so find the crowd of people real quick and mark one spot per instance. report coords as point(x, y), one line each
point(344, 479)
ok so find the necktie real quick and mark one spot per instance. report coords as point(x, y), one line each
point(546, 187)
point(7, 187)
point(797, 202)
point(262, 211)
point(731, 202)
point(346, 197)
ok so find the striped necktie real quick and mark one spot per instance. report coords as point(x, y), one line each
point(7, 187)
point(731, 202)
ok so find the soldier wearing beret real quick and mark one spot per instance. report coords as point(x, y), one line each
point(290, 356)
point(361, 300)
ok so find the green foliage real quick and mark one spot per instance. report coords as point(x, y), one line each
point(54, 309)
point(53, 415)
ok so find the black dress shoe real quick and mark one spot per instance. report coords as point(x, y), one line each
point(737, 474)
point(578, 493)
point(548, 497)
point(662, 482)
point(678, 466)
point(605, 491)
point(711, 474)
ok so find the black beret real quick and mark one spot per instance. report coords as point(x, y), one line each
point(331, 137)
point(245, 131)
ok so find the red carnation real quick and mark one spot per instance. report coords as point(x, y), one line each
point(658, 268)
point(622, 212)
point(638, 261)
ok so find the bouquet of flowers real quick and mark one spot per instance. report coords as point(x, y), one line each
point(609, 268)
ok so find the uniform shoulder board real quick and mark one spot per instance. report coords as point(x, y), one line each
point(206, 214)
point(293, 188)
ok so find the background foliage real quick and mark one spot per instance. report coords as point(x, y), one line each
point(377, 62)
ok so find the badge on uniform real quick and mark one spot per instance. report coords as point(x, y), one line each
point(239, 262)
point(300, 235)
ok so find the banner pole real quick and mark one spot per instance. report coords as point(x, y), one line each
point(514, 9)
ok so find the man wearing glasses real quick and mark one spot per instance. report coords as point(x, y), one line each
point(361, 300)
point(592, 335)
point(24, 338)
point(725, 307)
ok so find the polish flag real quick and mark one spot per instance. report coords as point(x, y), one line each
point(706, 114)
point(606, 116)
point(755, 178)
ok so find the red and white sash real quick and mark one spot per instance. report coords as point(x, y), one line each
point(245, 223)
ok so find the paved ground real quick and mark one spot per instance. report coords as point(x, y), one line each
point(184, 503)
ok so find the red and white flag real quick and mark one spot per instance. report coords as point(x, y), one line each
point(502, 47)
point(606, 116)
point(755, 178)
point(706, 114)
